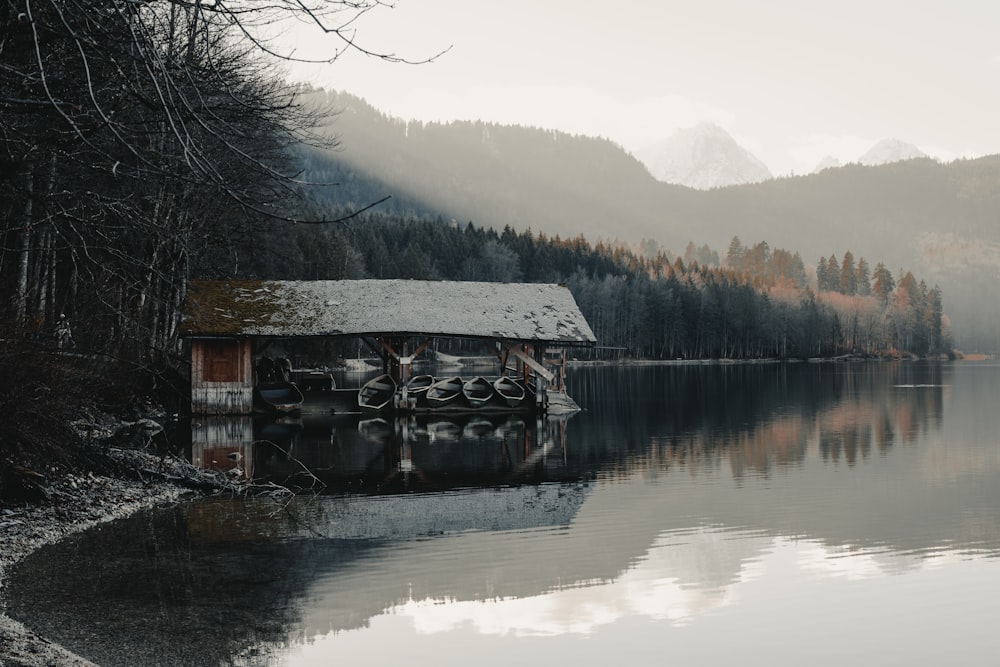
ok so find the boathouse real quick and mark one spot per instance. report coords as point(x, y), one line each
point(228, 321)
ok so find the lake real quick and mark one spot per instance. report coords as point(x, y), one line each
point(753, 514)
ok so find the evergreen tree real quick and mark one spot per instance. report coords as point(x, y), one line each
point(883, 284)
point(822, 276)
point(734, 256)
point(848, 282)
point(863, 281)
point(833, 274)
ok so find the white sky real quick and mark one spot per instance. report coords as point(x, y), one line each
point(791, 80)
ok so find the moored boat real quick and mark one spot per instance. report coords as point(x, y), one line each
point(444, 392)
point(478, 391)
point(376, 394)
point(509, 390)
point(416, 389)
point(277, 397)
point(419, 384)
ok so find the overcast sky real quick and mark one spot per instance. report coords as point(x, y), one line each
point(791, 80)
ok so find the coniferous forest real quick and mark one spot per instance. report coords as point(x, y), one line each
point(647, 302)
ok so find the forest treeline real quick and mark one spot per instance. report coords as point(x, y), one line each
point(645, 301)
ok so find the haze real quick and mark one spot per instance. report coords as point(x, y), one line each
point(792, 81)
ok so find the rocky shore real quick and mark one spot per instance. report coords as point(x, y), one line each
point(76, 503)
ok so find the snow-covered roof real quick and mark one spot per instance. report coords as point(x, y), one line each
point(511, 311)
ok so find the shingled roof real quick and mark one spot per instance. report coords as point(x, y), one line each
point(507, 311)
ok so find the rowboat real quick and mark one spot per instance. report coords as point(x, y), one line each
point(509, 390)
point(376, 394)
point(478, 391)
point(419, 384)
point(444, 391)
point(277, 397)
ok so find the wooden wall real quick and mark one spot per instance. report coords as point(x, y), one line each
point(221, 377)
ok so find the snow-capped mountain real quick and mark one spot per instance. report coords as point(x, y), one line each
point(828, 162)
point(890, 150)
point(704, 156)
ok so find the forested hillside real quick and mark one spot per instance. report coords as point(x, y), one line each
point(643, 301)
point(939, 220)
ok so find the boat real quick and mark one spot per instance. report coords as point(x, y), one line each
point(478, 391)
point(416, 389)
point(278, 397)
point(376, 394)
point(509, 390)
point(419, 384)
point(444, 392)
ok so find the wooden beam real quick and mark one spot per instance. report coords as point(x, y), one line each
point(373, 347)
point(421, 348)
point(388, 348)
point(532, 364)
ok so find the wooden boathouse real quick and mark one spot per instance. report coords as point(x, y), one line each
point(227, 322)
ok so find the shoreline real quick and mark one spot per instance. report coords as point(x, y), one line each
point(80, 503)
point(844, 358)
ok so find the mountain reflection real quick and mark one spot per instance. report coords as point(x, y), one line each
point(672, 490)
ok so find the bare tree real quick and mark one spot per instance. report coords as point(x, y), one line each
point(134, 135)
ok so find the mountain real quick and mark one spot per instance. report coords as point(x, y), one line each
point(827, 162)
point(704, 157)
point(890, 150)
point(935, 219)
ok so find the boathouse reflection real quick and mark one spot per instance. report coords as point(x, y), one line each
point(349, 452)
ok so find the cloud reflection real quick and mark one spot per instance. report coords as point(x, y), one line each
point(653, 590)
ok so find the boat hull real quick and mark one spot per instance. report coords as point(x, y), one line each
point(376, 394)
point(283, 397)
point(510, 391)
point(478, 391)
point(444, 392)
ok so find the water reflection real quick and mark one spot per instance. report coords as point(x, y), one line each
point(384, 454)
point(758, 417)
point(721, 501)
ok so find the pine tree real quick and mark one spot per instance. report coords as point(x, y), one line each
point(735, 254)
point(863, 278)
point(883, 284)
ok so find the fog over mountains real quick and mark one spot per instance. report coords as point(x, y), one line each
point(704, 156)
point(939, 220)
point(890, 150)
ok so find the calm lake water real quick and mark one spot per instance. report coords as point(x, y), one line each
point(772, 514)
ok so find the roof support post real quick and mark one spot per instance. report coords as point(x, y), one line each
point(531, 363)
point(541, 388)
